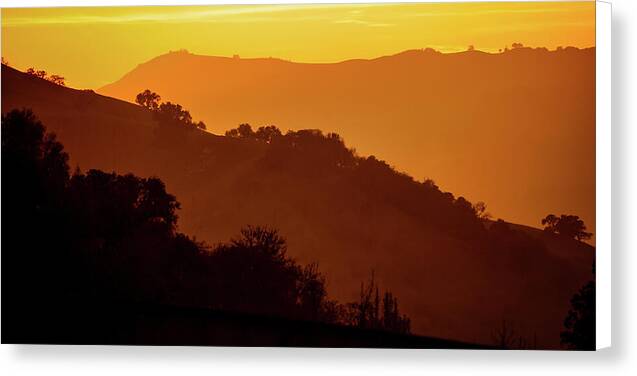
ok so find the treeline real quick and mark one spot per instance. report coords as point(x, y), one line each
point(78, 238)
point(40, 73)
point(56, 79)
point(328, 154)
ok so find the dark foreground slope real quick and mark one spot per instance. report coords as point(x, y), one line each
point(177, 326)
point(454, 280)
point(475, 122)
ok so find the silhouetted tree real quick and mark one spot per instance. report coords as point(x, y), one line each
point(58, 80)
point(255, 275)
point(392, 320)
point(362, 311)
point(267, 134)
point(506, 338)
point(566, 225)
point(37, 73)
point(29, 152)
point(148, 99)
point(312, 295)
point(54, 78)
point(480, 209)
point(429, 184)
point(242, 131)
point(174, 112)
point(35, 174)
point(367, 312)
point(579, 332)
point(167, 112)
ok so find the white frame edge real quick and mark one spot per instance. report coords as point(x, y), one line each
point(603, 16)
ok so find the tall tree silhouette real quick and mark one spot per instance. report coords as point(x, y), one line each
point(35, 174)
point(579, 325)
point(369, 312)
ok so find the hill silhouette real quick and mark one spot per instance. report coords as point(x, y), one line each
point(108, 254)
point(456, 278)
point(473, 121)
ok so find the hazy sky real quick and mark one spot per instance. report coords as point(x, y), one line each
point(95, 46)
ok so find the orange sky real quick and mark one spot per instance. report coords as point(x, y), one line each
point(95, 46)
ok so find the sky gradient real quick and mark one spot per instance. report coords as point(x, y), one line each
point(92, 47)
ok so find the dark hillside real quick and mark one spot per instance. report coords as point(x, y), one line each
point(351, 214)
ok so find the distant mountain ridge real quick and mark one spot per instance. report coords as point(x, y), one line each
point(351, 221)
point(472, 121)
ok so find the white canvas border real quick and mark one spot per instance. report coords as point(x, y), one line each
point(603, 13)
point(603, 125)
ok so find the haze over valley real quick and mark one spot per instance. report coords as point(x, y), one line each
point(512, 129)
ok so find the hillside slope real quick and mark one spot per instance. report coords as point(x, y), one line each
point(474, 122)
point(352, 216)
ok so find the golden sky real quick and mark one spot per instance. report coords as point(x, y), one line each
point(95, 46)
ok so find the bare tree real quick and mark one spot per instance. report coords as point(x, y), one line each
point(481, 211)
point(369, 312)
point(506, 338)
